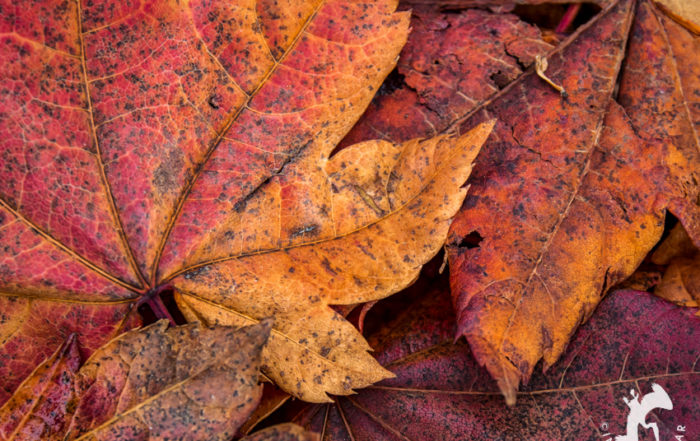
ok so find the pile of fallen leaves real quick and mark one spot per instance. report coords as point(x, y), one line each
point(198, 198)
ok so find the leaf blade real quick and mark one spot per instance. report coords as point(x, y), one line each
point(441, 392)
point(196, 372)
point(297, 284)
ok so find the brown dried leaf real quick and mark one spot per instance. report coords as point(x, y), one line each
point(148, 384)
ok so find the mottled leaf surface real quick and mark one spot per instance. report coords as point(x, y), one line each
point(149, 384)
point(580, 200)
point(660, 91)
point(591, 208)
point(158, 145)
point(441, 393)
point(536, 274)
point(450, 64)
point(389, 208)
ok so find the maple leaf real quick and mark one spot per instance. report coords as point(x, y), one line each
point(580, 200)
point(153, 146)
point(153, 384)
point(391, 215)
point(441, 393)
point(450, 65)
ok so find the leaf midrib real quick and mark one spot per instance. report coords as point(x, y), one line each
point(572, 389)
point(360, 228)
point(103, 176)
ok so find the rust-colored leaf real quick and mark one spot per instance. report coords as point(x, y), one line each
point(441, 393)
point(148, 384)
point(660, 90)
point(450, 64)
point(681, 279)
point(538, 273)
point(519, 306)
point(579, 200)
point(153, 146)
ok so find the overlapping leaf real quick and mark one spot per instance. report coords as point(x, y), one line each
point(450, 65)
point(441, 393)
point(388, 215)
point(580, 201)
point(592, 210)
point(149, 384)
point(152, 146)
point(681, 279)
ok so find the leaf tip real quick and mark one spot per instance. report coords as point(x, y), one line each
point(262, 331)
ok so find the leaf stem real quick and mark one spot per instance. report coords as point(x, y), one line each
point(155, 302)
point(568, 18)
point(159, 309)
point(541, 65)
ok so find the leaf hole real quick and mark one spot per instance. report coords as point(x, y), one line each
point(213, 101)
point(471, 240)
point(500, 79)
point(159, 303)
point(395, 80)
point(549, 16)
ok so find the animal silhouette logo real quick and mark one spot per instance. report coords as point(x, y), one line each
point(656, 399)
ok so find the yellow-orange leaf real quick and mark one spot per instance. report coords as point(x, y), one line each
point(386, 211)
point(157, 145)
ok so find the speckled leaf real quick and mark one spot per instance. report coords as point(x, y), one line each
point(387, 211)
point(282, 432)
point(40, 408)
point(441, 393)
point(660, 91)
point(578, 207)
point(148, 384)
point(582, 203)
point(515, 282)
point(450, 64)
point(138, 137)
